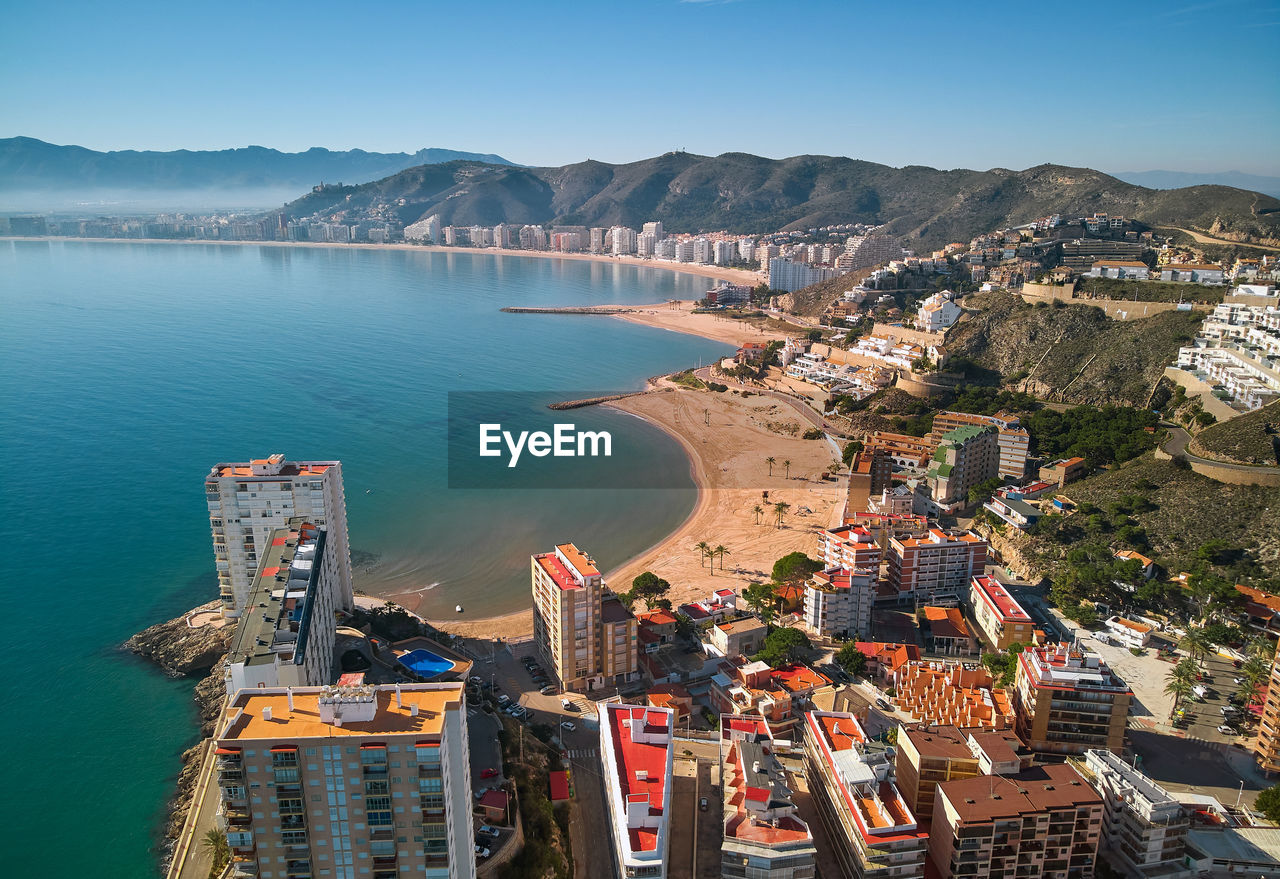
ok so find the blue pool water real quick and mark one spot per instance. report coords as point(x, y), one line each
point(425, 663)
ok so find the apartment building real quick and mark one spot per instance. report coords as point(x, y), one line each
point(938, 312)
point(654, 229)
point(587, 637)
point(1144, 830)
point(287, 639)
point(763, 835)
point(636, 753)
point(963, 695)
point(753, 688)
point(965, 458)
point(1064, 470)
point(1012, 439)
point(347, 782)
point(1124, 269)
point(1068, 701)
point(1043, 822)
point(789, 276)
point(1001, 619)
point(937, 567)
point(1266, 746)
point(249, 501)
point(929, 755)
point(849, 546)
point(738, 637)
point(908, 452)
point(838, 601)
point(873, 833)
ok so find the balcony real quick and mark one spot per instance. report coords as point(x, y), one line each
point(374, 770)
point(230, 777)
point(293, 822)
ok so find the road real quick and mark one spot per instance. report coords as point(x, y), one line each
point(1205, 239)
point(1176, 445)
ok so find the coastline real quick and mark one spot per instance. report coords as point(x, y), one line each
point(733, 276)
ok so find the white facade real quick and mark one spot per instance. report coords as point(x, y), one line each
point(288, 640)
point(724, 252)
point(938, 312)
point(623, 240)
point(654, 229)
point(1144, 829)
point(747, 249)
point(838, 601)
point(248, 501)
point(646, 242)
point(786, 275)
point(424, 230)
point(637, 753)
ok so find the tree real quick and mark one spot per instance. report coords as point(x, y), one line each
point(760, 598)
point(703, 549)
point(1268, 803)
point(782, 647)
point(759, 511)
point(1180, 690)
point(649, 588)
point(1253, 674)
point(719, 550)
point(215, 842)
point(771, 461)
point(851, 448)
point(1003, 665)
point(787, 464)
point(794, 568)
point(851, 659)
point(1196, 642)
point(780, 512)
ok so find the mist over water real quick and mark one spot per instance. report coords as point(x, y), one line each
point(128, 370)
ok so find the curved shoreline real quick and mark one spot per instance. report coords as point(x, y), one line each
point(736, 276)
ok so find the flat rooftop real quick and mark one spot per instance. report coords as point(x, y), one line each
point(999, 598)
point(987, 798)
point(272, 622)
point(245, 722)
point(578, 559)
point(642, 766)
point(556, 570)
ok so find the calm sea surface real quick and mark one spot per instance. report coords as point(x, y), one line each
point(127, 370)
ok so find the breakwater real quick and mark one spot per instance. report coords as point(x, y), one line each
point(569, 309)
point(591, 401)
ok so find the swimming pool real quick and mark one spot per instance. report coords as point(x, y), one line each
point(425, 663)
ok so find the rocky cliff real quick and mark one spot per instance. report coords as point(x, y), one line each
point(180, 649)
point(1069, 353)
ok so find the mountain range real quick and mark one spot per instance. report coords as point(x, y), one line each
point(35, 173)
point(925, 207)
point(1177, 179)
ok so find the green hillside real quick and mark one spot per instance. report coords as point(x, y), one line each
point(749, 194)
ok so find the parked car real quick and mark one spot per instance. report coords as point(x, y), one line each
point(489, 773)
point(1227, 730)
point(548, 690)
point(488, 830)
point(883, 705)
point(702, 804)
point(567, 704)
point(569, 726)
point(482, 852)
point(503, 698)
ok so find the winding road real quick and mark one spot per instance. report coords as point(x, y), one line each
point(1176, 446)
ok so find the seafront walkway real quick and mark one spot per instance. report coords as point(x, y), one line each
point(191, 858)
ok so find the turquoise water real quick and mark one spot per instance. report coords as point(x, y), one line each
point(425, 663)
point(127, 370)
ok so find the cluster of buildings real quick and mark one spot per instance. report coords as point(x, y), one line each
point(1237, 350)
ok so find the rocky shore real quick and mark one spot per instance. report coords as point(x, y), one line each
point(182, 649)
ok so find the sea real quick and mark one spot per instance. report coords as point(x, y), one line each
point(127, 370)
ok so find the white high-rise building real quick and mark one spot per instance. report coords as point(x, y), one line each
point(654, 229)
point(636, 753)
point(724, 252)
point(624, 240)
point(684, 251)
point(646, 244)
point(502, 235)
point(248, 501)
point(702, 253)
point(747, 249)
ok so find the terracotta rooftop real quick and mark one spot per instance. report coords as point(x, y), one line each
point(245, 720)
point(987, 798)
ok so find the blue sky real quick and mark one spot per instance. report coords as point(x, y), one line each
point(1182, 86)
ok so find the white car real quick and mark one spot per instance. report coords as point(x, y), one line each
point(1227, 730)
point(482, 852)
point(569, 726)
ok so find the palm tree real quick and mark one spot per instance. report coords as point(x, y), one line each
point(722, 552)
point(1196, 643)
point(758, 510)
point(780, 512)
point(704, 550)
point(1253, 674)
point(770, 461)
point(215, 841)
point(787, 464)
point(1179, 690)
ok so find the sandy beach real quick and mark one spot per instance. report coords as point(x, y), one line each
point(728, 437)
point(733, 276)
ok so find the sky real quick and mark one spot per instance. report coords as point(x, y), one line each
point(1188, 85)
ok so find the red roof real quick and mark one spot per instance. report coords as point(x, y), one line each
point(1001, 601)
point(558, 573)
point(632, 757)
point(494, 799)
point(559, 786)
